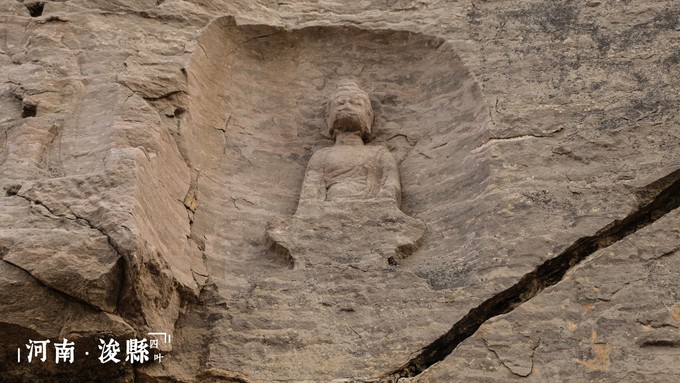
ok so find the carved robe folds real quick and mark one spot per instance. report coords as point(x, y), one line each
point(348, 212)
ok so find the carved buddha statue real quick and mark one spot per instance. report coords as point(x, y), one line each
point(351, 171)
point(349, 204)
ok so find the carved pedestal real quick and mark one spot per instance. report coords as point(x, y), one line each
point(357, 233)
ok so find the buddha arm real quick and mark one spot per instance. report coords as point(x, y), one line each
point(390, 182)
point(314, 184)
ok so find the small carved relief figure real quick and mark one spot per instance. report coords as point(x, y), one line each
point(351, 171)
point(349, 204)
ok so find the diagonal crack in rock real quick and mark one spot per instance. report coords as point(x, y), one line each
point(85, 223)
point(79, 219)
point(661, 197)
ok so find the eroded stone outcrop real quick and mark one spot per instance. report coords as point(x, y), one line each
point(144, 146)
point(93, 187)
point(616, 315)
point(660, 198)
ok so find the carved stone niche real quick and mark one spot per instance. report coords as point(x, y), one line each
point(255, 116)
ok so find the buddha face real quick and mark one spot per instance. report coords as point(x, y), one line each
point(349, 110)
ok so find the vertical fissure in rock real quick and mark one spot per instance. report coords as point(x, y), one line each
point(662, 196)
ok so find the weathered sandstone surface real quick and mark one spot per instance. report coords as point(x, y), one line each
point(146, 146)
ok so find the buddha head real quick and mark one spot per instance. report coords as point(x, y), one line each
point(349, 110)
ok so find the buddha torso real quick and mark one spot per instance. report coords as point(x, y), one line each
point(352, 172)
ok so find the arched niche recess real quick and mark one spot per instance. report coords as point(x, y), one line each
point(255, 115)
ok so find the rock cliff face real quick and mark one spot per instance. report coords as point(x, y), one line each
point(145, 147)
